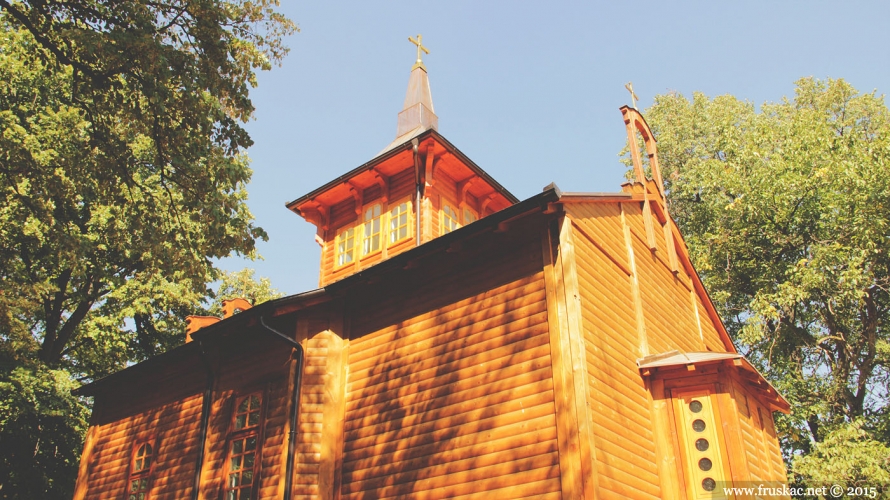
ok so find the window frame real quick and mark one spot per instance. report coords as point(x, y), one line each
point(244, 433)
point(142, 474)
point(684, 442)
point(467, 210)
point(363, 223)
point(353, 250)
point(409, 224)
point(456, 219)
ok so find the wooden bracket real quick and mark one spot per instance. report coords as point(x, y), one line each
point(484, 207)
point(357, 194)
point(383, 182)
point(430, 167)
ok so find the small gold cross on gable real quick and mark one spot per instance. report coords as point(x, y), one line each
point(633, 97)
point(418, 42)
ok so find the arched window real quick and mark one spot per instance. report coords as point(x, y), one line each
point(398, 222)
point(372, 228)
point(449, 219)
point(139, 484)
point(345, 246)
point(243, 449)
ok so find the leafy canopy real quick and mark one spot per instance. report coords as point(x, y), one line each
point(122, 168)
point(122, 176)
point(786, 212)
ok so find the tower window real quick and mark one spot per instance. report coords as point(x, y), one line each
point(372, 227)
point(345, 246)
point(449, 219)
point(469, 216)
point(398, 222)
point(140, 471)
point(243, 449)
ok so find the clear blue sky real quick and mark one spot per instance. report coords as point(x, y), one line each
point(529, 91)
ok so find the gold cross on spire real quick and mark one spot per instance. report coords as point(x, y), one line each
point(633, 97)
point(419, 63)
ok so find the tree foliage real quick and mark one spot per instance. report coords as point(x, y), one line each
point(786, 212)
point(242, 285)
point(122, 178)
point(41, 429)
point(122, 167)
point(848, 456)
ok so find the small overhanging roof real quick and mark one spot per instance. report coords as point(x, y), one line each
point(755, 380)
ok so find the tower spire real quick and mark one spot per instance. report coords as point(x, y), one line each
point(417, 114)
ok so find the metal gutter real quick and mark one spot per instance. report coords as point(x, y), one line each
point(295, 406)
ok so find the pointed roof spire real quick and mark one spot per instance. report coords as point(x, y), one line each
point(418, 110)
point(417, 115)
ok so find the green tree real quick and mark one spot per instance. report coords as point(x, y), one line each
point(786, 212)
point(41, 429)
point(847, 456)
point(242, 285)
point(122, 176)
point(122, 167)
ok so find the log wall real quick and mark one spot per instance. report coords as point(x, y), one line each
point(449, 391)
point(625, 454)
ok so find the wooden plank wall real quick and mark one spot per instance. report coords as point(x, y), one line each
point(762, 453)
point(454, 399)
point(622, 419)
point(174, 427)
point(669, 317)
point(249, 367)
point(307, 464)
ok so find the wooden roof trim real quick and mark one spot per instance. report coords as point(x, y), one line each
point(235, 323)
point(598, 197)
point(406, 146)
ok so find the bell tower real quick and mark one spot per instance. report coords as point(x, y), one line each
point(420, 187)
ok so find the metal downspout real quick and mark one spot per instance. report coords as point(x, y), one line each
point(418, 188)
point(295, 407)
point(205, 420)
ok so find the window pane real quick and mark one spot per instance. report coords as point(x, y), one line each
point(233, 480)
point(244, 406)
point(134, 486)
point(248, 461)
point(237, 447)
point(469, 216)
point(239, 421)
point(236, 463)
point(254, 402)
point(251, 444)
point(253, 418)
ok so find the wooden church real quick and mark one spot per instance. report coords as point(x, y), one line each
point(462, 344)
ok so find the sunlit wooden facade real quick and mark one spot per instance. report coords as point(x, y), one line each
point(480, 347)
